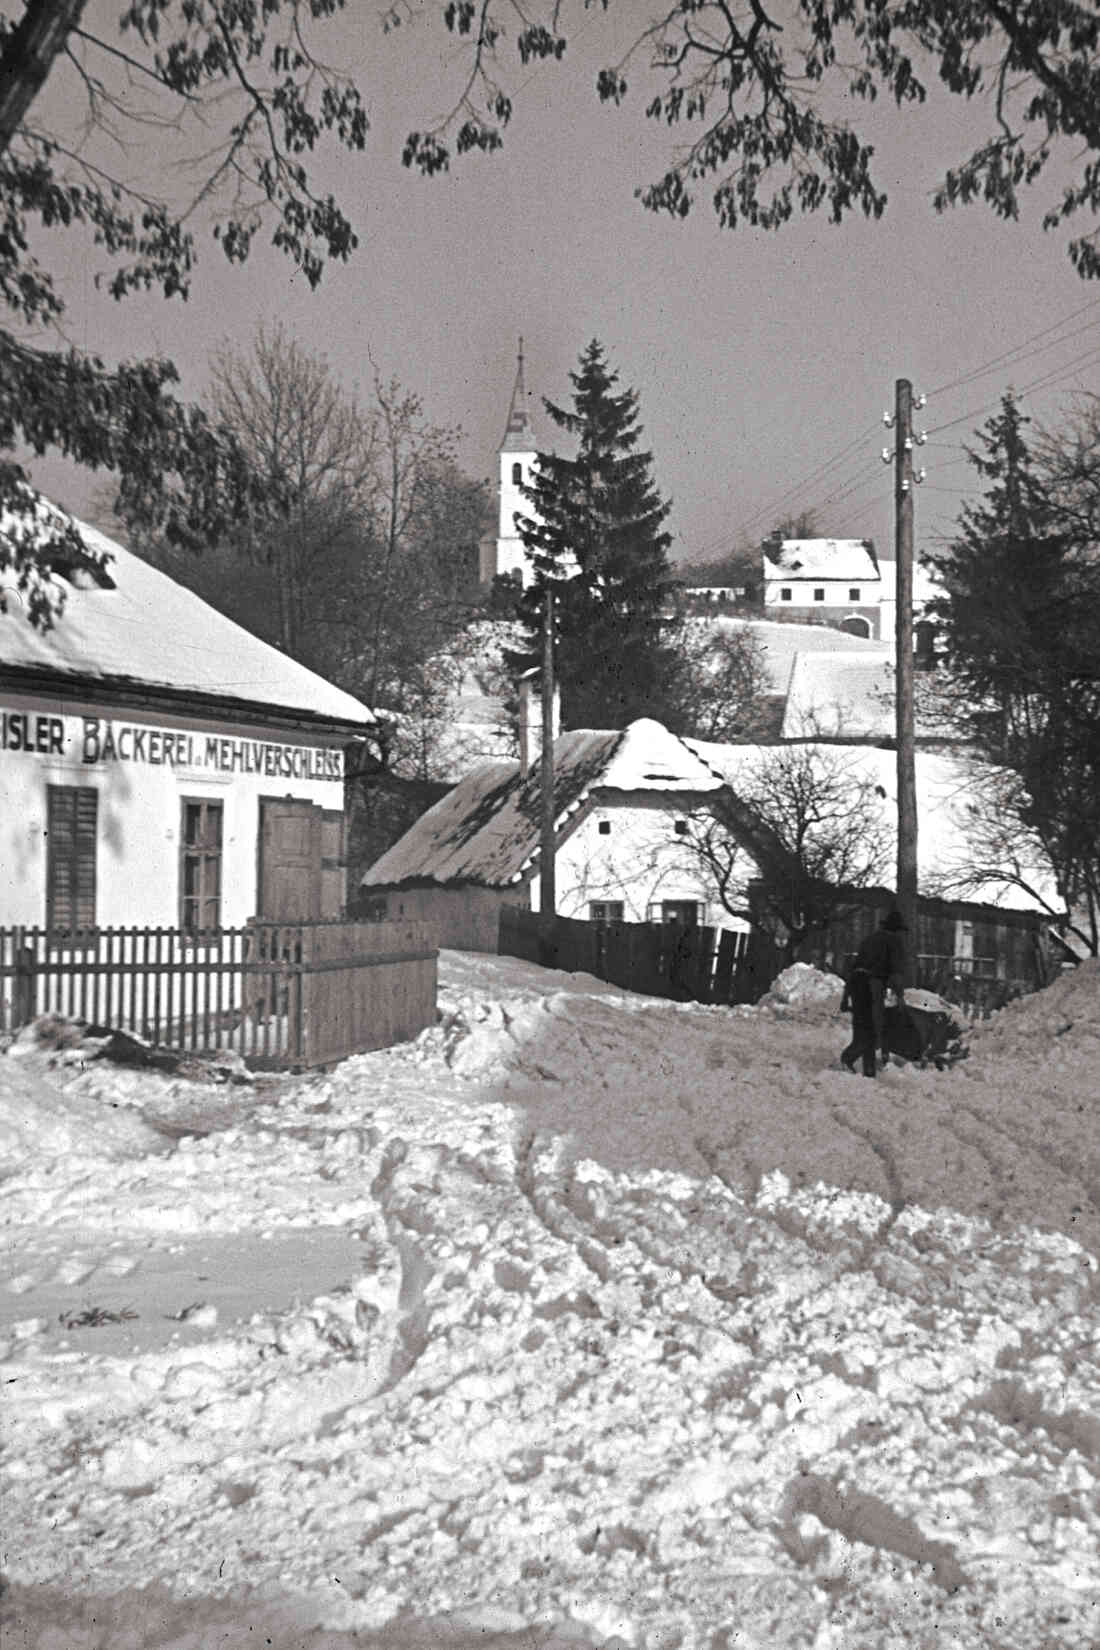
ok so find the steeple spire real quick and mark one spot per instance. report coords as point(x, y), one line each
point(519, 437)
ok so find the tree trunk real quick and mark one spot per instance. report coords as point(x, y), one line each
point(29, 56)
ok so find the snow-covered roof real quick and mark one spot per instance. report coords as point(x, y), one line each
point(822, 559)
point(784, 642)
point(150, 632)
point(486, 830)
point(838, 695)
point(948, 797)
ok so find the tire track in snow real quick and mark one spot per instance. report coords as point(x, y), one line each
point(554, 1220)
point(885, 1155)
point(1071, 1168)
point(865, 1519)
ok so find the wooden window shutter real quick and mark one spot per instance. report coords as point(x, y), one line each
point(72, 816)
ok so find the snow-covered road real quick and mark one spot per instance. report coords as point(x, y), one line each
point(584, 1319)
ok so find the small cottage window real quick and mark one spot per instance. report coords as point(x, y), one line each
point(604, 827)
point(605, 910)
point(682, 911)
point(681, 827)
point(200, 865)
point(785, 593)
point(517, 474)
point(853, 593)
point(71, 819)
point(819, 593)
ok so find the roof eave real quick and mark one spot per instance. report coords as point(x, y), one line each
point(119, 690)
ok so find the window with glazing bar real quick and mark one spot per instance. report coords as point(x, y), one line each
point(200, 864)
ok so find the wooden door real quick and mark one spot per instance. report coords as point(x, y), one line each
point(290, 875)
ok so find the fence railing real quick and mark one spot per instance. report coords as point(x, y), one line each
point(970, 983)
point(279, 994)
point(708, 965)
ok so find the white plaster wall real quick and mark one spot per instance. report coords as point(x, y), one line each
point(511, 553)
point(137, 863)
point(836, 593)
point(639, 861)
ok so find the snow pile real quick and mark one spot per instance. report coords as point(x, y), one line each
point(801, 986)
point(585, 1319)
point(1059, 1022)
point(44, 1126)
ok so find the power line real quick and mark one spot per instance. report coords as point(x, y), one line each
point(987, 366)
point(1059, 373)
point(777, 503)
point(1013, 356)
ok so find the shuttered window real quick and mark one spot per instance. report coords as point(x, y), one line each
point(200, 865)
point(72, 813)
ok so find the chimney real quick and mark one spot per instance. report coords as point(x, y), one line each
point(530, 720)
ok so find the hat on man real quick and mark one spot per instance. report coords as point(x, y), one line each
point(895, 922)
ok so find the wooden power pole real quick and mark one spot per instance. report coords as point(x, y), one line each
point(903, 550)
point(547, 891)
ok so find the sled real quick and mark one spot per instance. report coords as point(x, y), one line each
point(927, 1030)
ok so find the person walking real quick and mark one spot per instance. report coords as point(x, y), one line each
point(878, 966)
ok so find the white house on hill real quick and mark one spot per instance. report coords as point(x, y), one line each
point(161, 766)
point(837, 581)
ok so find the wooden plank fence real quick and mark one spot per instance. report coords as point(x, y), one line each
point(711, 965)
point(279, 994)
point(708, 965)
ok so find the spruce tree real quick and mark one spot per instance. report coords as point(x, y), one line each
point(1021, 628)
point(595, 536)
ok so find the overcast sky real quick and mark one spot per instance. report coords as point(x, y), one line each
point(763, 361)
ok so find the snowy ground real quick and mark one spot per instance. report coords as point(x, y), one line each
point(584, 1320)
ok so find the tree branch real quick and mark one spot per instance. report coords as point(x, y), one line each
point(28, 56)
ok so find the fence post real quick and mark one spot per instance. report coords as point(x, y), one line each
point(303, 979)
point(24, 993)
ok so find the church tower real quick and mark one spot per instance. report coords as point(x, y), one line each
point(507, 554)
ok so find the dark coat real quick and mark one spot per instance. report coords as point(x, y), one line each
point(882, 956)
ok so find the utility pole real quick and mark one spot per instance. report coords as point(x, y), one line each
point(547, 891)
point(904, 480)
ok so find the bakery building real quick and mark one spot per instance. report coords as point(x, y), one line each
point(162, 767)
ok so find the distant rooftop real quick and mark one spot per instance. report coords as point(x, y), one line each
point(821, 559)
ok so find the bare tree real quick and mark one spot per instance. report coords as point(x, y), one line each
point(723, 687)
point(1000, 846)
point(798, 829)
point(313, 444)
point(800, 524)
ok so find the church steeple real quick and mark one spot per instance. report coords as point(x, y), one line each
point(518, 455)
point(519, 437)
